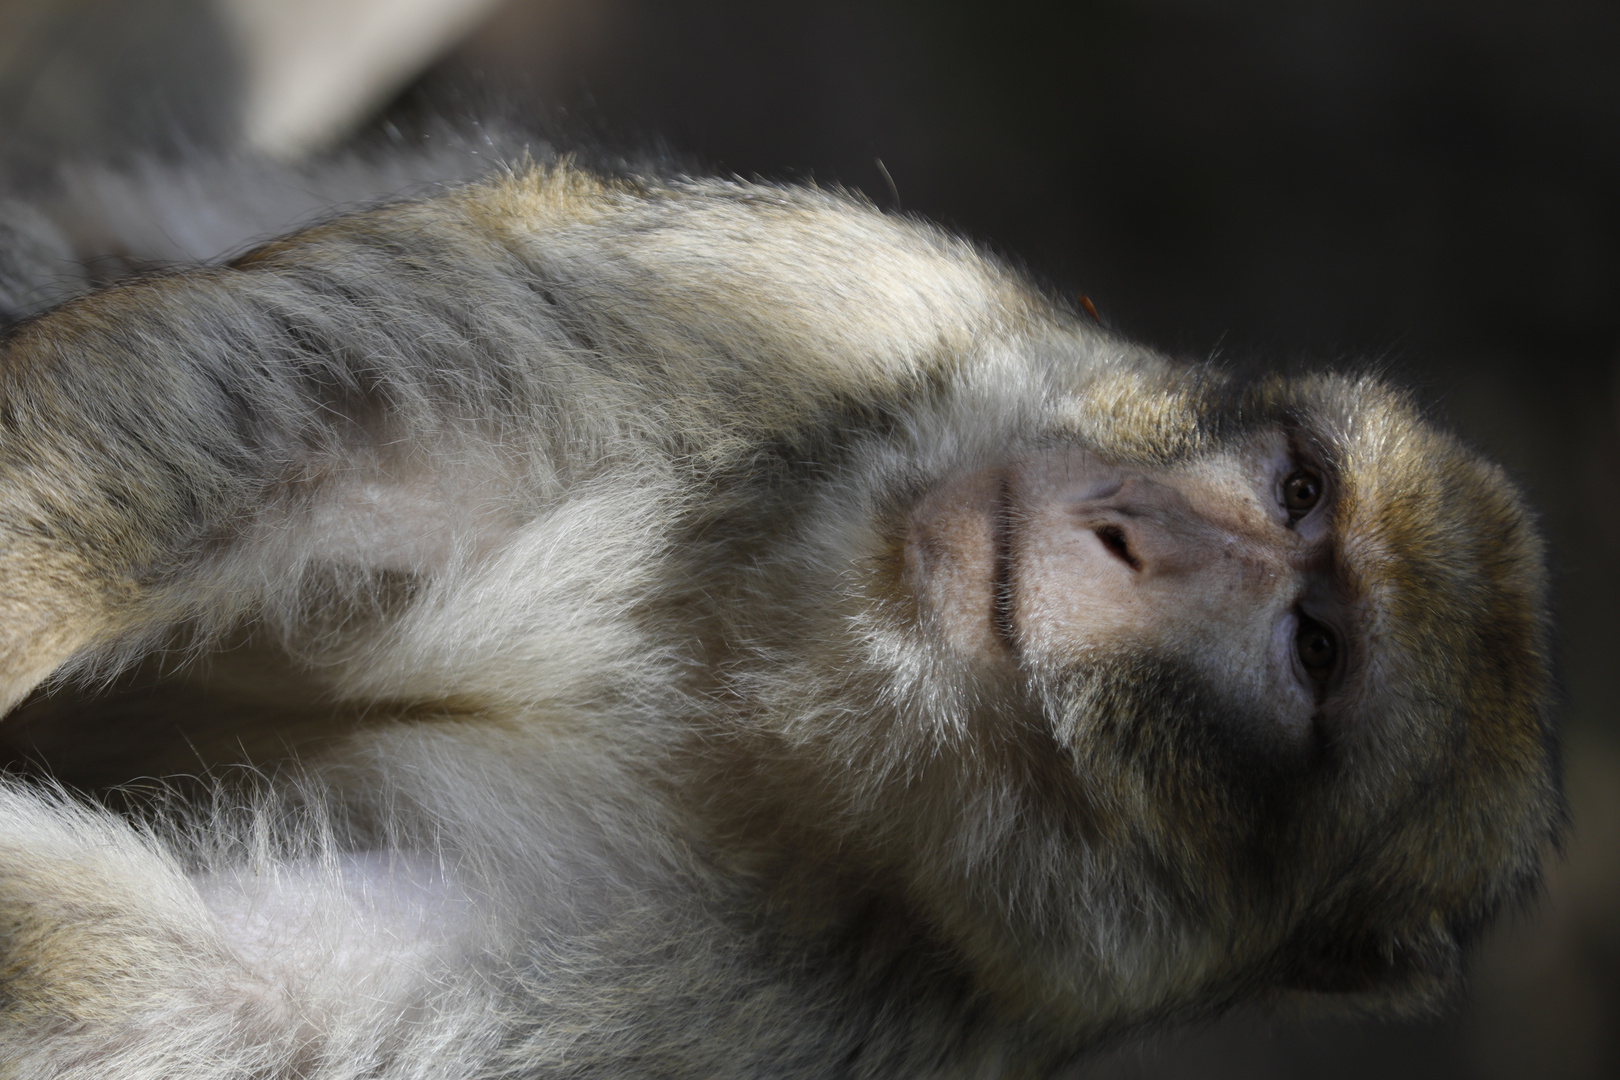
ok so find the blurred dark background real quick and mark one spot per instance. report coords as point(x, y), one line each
point(1431, 186)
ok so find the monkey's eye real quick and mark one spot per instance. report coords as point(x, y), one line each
point(1301, 491)
point(1316, 647)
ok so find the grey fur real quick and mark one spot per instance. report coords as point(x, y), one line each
point(596, 484)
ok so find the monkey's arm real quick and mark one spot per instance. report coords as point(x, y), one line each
point(191, 446)
point(396, 389)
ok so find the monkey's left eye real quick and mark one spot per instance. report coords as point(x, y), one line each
point(1301, 491)
point(1317, 648)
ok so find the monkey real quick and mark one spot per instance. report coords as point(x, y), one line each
point(781, 640)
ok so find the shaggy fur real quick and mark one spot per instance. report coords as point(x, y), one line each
point(590, 493)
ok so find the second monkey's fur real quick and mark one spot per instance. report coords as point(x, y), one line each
point(592, 494)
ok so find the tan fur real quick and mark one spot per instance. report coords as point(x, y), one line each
point(650, 530)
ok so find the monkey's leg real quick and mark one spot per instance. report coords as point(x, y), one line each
point(116, 962)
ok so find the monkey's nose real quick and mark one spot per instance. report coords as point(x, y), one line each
point(1116, 544)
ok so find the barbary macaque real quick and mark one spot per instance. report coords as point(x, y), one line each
point(761, 636)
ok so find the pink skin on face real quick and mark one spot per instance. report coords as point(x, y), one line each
point(1048, 559)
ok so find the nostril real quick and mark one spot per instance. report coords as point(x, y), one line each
point(1113, 538)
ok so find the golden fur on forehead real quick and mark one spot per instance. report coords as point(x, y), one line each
point(1417, 510)
point(1436, 545)
point(1447, 567)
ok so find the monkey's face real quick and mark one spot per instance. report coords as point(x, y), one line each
point(1226, 563)
point(1190, 644)
point(1264, 705)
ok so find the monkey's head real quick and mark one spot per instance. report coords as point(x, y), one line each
point(1188, 691)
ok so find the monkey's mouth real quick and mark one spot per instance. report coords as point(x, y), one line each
point(967, 540)
point(958, 563)
point(1011, 508)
